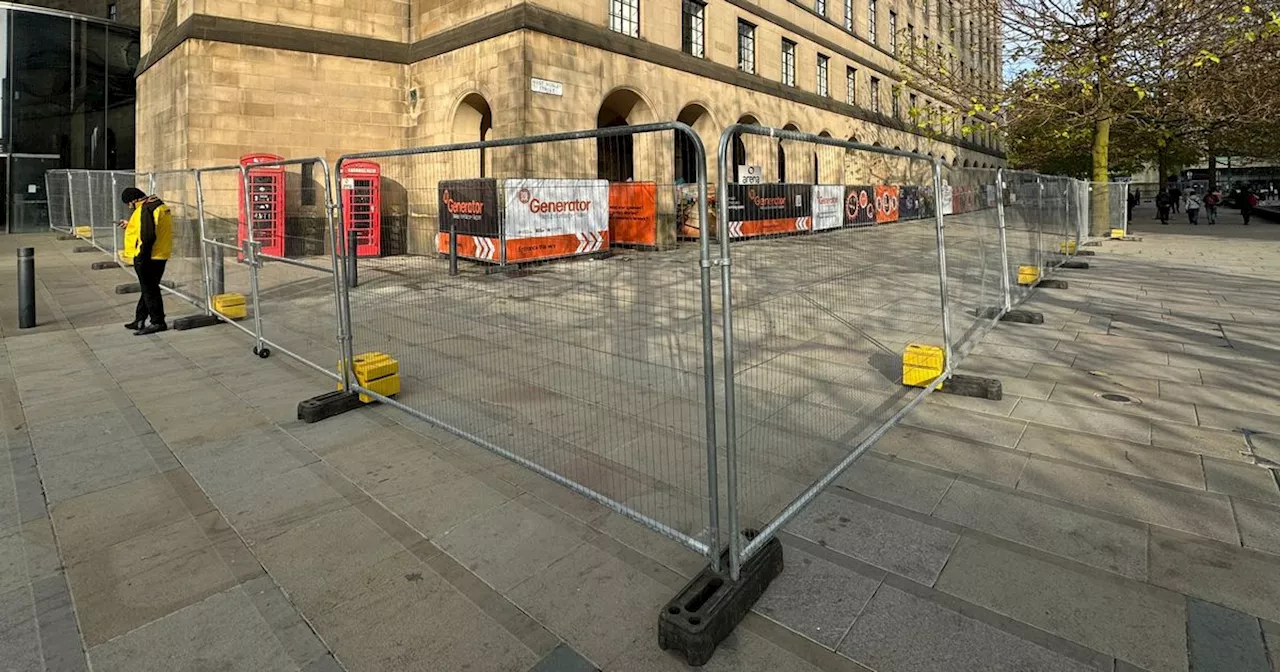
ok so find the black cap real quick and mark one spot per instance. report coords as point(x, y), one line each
point(131, 194)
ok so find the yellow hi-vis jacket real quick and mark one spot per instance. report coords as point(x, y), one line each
point(149, 232)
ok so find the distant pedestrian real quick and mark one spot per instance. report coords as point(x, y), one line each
point(1163, 201)
point(1248, 200)
point(1133, 203)
point(149, 230)
point(1211, 201)
point(1193, 206)
point(1175, 194)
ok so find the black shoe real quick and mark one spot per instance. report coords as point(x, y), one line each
point(134, 326)
point(153, 329)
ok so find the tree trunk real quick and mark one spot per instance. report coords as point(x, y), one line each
point(1162, 169)
point(1102, 203)
point(1213, 164)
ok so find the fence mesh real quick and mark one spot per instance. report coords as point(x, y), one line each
point(1022, 231)
point(837, 273)
point(222, 202)
point(81, 195)
point(975, 286)
point(177, 190)
point(58, 187)
point(591, 369)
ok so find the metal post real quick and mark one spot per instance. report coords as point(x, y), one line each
point(210, 262)
point(353, 269)
point(341, 290)
point(730, 407)
point(26, 287)
point(88, 182)
point(1005, 285)
point(708, 356)
point(453, 247)
point(251, 251)
point(217, 271)
point(942, 270)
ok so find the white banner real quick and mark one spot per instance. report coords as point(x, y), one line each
point(948, 198)
point(537, 208)
point(828, 207)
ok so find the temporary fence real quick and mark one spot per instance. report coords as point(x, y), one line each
point(57, 185)
point(742, 371)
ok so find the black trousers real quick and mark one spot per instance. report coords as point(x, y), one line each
point(151, 303)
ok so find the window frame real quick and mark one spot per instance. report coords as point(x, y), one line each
point(893, 32)
point(788, 62)
point(820, 7)
point(688, 30)
point(872, 33)
point(822, 73)
point(619, 22)
point(747, 46)
point(875, 95)
point(851, 85)
point(848, 16)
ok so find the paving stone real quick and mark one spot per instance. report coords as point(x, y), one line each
point(1023, 387)
point(1115, 425)
point(95, 521)
point(41, 549)
point(900, 632)
point(74, 432)
point(1223, 640)
point(325, 561)
point(144, 578)
point(564, 659)
point(245, 460)
point(263, 510)
point(1149, 406)
point(411, 620)
point(512, 542)
point(1224, 574)
point(1242, 480)
point(598, 603)
point(1091, 351)
point(1204, 441)
point(951, 453)
point(297, 638)
point(393, 463)
point(19, 640)
point(968, 425)
point(71, 474)
point(986, 406)
point(1093, 379)
point(741, 651)
point(1231, 420)
point(1128, 458)
point(877, 537)
point(995, 366)
point(1271, 635)
point(1060, 530)
point(222, 632)
point(895, 482)
point(1259, 525)
point(1134, 343)
point(435, 510)
point(1046, 354)
point(1219, 397)
point(817, 598)
point(1206, 514)
point(1116, 616)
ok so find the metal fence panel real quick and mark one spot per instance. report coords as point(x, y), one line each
point(820, 306)
point(178, 191)
point(58, 187)
point(976, 274)
point(80, 199)
point(593, 371)
point(228, 269)
point(1022, 194)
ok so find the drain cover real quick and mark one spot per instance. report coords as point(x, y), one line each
point(1118, 398)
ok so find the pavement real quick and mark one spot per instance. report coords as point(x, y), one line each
point(162, 509)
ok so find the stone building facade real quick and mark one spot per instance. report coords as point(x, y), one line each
point(222, 78)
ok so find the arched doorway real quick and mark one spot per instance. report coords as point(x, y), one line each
point(782, 154)
point(615, 156)
point(740, 147)
point(472, 121)
point(684, 151)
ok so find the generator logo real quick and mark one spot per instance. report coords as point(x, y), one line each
point(541, 207)
point(827, 200)
point(524, 196)
point(766, 201)
point(461, 207)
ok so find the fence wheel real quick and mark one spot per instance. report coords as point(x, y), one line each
point(262, 352)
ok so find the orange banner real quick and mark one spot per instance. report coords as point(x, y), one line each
point(519, 250)
point(633, 213)
point(886, 203)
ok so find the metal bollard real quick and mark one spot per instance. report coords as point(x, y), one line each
point(353, 272)
point(217, 274)
point(453, 248)
point(26, 287)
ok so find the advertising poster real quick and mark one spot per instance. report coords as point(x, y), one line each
point(859, 205)
point(768, 209)
point(471, 208)
point(886, 203)
point(909, 205)
point(828, 202)
point(948, 199)
point(633, 213)
point(990, 190)
point(555, 218)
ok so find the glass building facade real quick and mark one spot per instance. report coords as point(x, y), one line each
point(67, 101)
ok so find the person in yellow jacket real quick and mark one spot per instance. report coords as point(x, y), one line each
point(148, 238)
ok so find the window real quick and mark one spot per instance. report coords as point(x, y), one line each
point(848, 15)
point(746, 46)
point(624, 17)
point(913, 104)
point(788, 62)
point(896, 103)
point(820, 6)
point(111, 11)
point(851, 86)
point(893, 32)
point(924, 7)
point(911, 36)
point(875, 95)
point(693, 24)
point(824, 88)
point(871, 20)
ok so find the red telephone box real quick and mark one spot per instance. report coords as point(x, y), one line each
point(266, 198)
point(362, 205)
